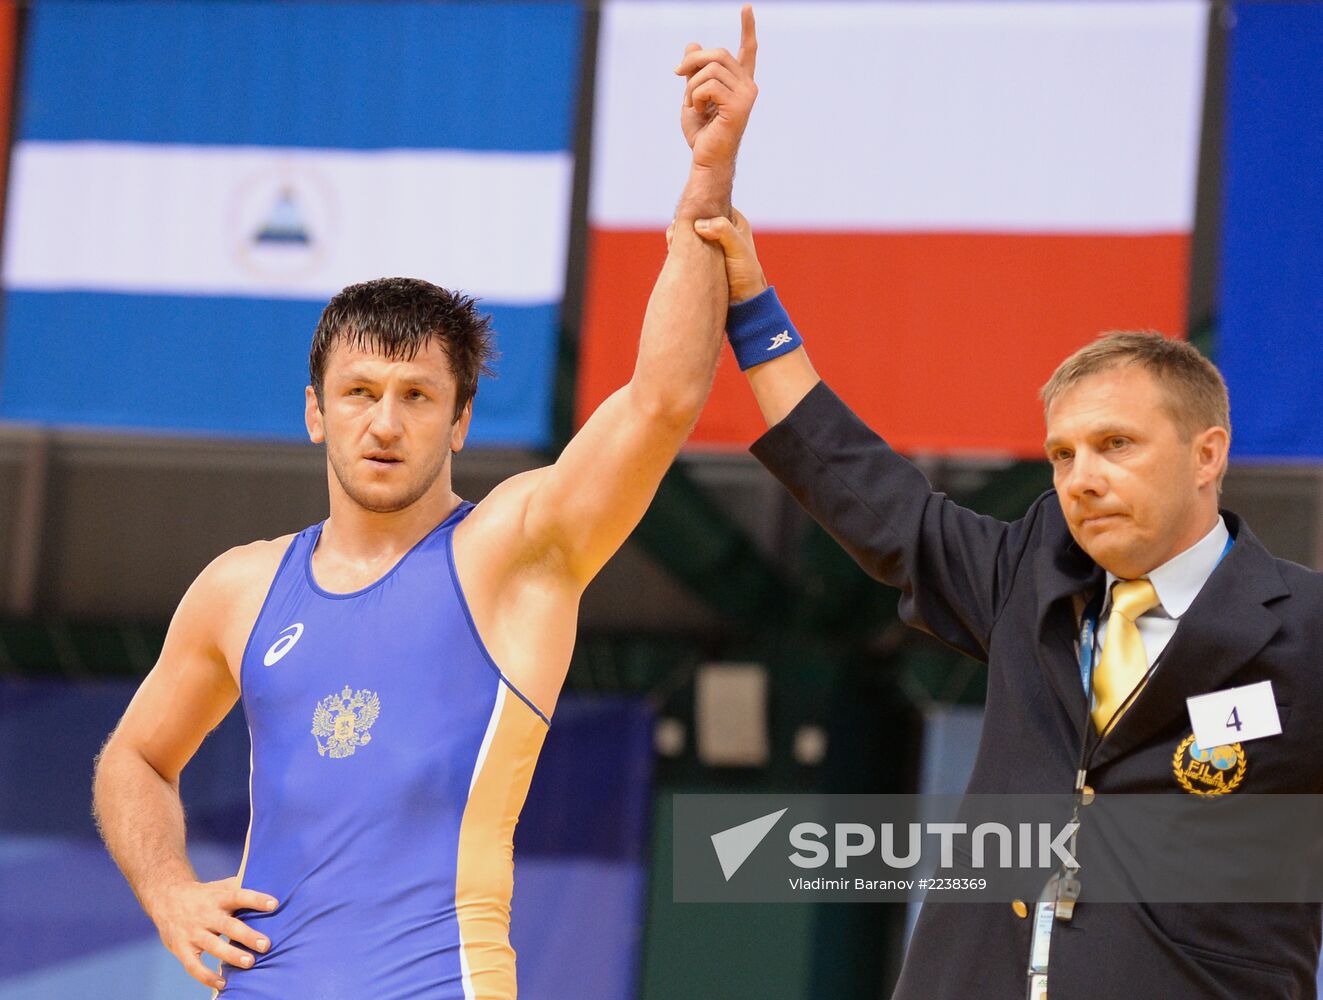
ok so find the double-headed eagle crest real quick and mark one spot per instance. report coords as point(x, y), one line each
point(344, 720)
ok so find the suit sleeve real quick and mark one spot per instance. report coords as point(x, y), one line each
point(952, 565)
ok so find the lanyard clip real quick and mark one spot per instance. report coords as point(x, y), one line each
point(1068, 894)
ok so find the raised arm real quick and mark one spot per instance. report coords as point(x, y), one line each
point(951, 564)
point(136, 788)
point(584, 506)
point(779, 384)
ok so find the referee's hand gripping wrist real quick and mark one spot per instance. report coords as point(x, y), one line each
point(757, 325)
point(744, 275)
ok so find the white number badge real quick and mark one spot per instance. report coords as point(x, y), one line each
point(1236, 715)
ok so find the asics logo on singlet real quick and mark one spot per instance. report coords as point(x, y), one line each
point(283, 645)
point(780, 339)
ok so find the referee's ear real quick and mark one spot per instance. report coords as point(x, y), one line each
point(1210, 454)
point(312, 417)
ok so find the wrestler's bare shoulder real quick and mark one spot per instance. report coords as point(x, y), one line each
point(245, 566)
point(231, 590)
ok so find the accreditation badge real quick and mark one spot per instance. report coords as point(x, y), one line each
point(1212, 771)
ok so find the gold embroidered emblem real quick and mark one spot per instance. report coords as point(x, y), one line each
point(343, 720)
point(1215, 771)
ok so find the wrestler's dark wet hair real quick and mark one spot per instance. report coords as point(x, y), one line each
point(397, 317)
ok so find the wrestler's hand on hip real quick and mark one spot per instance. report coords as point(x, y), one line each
point(192, 916)
point(718, 97)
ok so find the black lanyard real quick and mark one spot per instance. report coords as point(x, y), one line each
point(1062, 891)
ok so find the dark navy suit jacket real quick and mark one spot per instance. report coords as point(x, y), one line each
point(1010, 595)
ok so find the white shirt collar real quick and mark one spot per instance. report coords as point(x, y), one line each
point(1179, 580)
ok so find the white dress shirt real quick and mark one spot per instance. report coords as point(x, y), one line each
point(1177, 582)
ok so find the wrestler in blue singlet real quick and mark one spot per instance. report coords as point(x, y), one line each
point(390, 761)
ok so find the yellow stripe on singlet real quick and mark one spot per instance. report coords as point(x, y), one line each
point(247, 839)
point(484, 877)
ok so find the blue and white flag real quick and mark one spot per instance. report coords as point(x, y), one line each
point(1271, 291)
point(191, 182)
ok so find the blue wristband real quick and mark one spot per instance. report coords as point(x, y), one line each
point(759, 329)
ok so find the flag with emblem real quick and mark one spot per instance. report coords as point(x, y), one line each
point(180, 213)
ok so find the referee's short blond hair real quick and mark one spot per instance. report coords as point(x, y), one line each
point(1194, 389)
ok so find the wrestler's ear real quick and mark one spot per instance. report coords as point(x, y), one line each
point(459, 430)
point(312, 417)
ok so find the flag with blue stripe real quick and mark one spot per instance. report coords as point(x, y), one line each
point(1271, 301)
point(191, 182)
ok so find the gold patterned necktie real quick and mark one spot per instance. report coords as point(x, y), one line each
point(1123, 662)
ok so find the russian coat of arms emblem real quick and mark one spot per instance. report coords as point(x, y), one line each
point(343, 721)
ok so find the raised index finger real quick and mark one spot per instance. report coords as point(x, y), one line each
point(748, 39)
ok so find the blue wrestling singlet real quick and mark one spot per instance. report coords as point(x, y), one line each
point(390, 761)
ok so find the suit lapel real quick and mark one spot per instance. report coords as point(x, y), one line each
point(1065, 578)
point(1223, 629)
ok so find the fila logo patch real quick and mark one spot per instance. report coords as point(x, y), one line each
point(283, 644)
